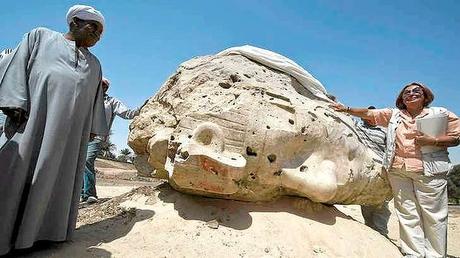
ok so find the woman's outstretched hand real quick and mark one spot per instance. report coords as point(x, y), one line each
point(338, 107)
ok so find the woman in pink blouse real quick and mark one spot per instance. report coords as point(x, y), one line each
point(418, 180)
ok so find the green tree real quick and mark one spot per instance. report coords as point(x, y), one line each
point(108, 148)
point(453, 184)
point(125, 155)
point(125, 151)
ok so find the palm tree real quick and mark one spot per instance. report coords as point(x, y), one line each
point(125, 155)
point(125, 151)
point(108, 148)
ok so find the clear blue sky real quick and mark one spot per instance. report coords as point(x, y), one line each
point(362, 51)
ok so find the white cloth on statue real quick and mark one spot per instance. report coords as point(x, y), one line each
point(283, 64)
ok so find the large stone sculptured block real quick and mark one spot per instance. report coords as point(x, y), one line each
point(229, 127)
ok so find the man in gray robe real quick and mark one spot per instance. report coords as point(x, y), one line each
point(51, 94)
point(3, 54)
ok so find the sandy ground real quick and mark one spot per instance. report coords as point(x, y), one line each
point(145, 218)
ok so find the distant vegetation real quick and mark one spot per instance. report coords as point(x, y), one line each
point(108, 150)
point(453, 185)
point(125, 156)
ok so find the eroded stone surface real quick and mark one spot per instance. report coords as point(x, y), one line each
point(228, 127)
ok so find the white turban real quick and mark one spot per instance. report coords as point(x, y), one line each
point(86, 13)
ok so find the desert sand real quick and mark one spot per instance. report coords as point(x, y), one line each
point(138, 217)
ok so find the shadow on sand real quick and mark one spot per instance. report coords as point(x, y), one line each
point(236, 214)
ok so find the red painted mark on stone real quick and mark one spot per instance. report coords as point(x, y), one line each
point(213, 167)
point(209, 186)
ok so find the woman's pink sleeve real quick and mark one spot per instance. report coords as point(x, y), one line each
point(380, 117)
point(453, 125)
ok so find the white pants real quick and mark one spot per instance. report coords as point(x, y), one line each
point(421, 206)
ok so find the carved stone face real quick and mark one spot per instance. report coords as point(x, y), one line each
point(228, 127)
